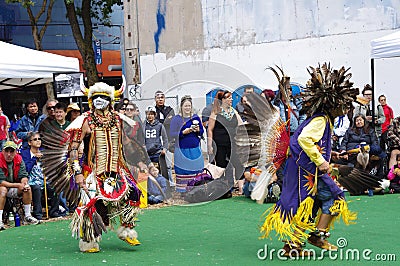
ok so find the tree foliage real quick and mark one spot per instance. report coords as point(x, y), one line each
point(46, 7)
point(89, 10)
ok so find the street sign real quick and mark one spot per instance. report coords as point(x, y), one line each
point(97, 52)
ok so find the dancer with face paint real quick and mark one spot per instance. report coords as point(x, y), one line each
point(99, 175)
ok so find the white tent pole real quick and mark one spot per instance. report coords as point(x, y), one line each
point(373, 91)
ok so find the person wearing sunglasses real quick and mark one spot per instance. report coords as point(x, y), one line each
point(48, 108)
point(32, 159)
point(30, 122)
point(132, 111)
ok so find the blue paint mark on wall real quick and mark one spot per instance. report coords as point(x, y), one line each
point(161, 10)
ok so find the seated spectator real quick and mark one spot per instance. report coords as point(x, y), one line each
point(251, 175)
point(154, 195)
point(361, 134)
point(14, 181)
point(393, 137)
point(31, 159)
point(394, 177)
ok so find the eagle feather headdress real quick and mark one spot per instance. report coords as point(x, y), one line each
point(327, 89)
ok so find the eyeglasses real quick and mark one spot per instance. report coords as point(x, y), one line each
point(122, 109)
point(130, 109)
point(36, 139)
point(382, 100)
point(50, 108)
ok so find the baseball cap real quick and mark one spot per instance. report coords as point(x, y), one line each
point(151, 109)
point(10, 144)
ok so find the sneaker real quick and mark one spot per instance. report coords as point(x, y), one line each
point(2, 227)
point(30, 220)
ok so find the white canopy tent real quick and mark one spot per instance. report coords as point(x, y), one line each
point(21, 67)
point(387, 46)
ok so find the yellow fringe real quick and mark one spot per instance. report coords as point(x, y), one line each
point(341, 208)
point(293, 227)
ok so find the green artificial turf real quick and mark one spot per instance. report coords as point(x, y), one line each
point(223, 232)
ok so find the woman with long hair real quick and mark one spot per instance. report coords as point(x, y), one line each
point(187, 129)
point(223, 123)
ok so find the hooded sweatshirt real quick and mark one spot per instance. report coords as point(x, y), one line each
point(155, 137)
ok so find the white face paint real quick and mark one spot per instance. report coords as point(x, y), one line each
point(100, 103)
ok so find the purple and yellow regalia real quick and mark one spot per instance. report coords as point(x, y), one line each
point(292, 215)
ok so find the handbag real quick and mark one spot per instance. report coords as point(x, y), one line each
point(205, 188)
point(215, 171)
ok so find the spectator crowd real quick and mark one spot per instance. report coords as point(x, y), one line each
point(174, 145)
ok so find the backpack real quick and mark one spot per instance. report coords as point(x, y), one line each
point(205, 188)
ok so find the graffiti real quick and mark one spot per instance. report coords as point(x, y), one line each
point(161, 11)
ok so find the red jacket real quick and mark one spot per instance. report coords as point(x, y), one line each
point(17, 165)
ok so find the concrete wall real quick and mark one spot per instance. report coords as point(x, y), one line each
point(170, 26)
point(250, 35)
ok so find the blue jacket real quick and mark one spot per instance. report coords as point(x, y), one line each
point(28, 160)
point(26, 125)
point(153, 190)
point(295, 117)
point(351, 139)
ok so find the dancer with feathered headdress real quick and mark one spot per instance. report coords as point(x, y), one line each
point(327, 95)
point(100, 178)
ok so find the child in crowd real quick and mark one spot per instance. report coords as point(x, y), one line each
point(154, 195)
point(251, 175)
point(394, 177)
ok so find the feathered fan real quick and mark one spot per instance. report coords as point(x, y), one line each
point(356, 181)
point(262, 141)
point(55, 142)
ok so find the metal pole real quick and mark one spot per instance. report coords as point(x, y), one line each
point(373, 92)
point(45, 196)
point(131, 64)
